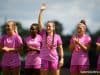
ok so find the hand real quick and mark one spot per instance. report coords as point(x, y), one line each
point(76, 40)
point(34, 49)
point(6, 49)
point(61, 62)
point(43, 7)
point(98, 44)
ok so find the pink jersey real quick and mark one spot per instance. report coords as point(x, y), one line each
point(48, 53)
point(11, 59)
point(79, 56)
point(33, 57)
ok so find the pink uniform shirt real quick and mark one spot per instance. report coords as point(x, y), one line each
point(33, 57)
point(79, 56)
point(11, 59)
point(48, 53)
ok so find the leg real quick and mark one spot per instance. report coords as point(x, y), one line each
point(84, 68)
point(98, 69)
point(36, 69)
point(36, 72)
point(28, 71)
point(74, 70)
point(0, 68)
point(44, 72)
point(55, 72)
point(54, 68)
point(16, 71)
point(6, 71)
point(44, 67)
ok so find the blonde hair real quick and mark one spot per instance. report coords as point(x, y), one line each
point(13, 25)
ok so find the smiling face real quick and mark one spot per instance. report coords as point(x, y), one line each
point(10, 26)
point(81, 28)
point(34, 29)
point(50, 27)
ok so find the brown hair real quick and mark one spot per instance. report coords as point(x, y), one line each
point(35, 24)
point(84, 22)
point(14, 26)
point(37, 28)
point(53, 32)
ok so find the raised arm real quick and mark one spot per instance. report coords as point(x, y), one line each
point(40, 18)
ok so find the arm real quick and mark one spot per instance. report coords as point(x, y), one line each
point(72, 44)
point(43, 7)
point(98, 46)
point(71, 47)
point(7, 49)
point(33, 49)
point(84, 47)
point(61, 54)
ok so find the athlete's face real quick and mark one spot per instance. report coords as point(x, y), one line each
point(9, 27)
point(81, 28)
point(33, 30)
point(50, 27)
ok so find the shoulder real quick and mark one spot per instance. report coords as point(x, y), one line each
point(18, 36)
point(57, 35)
point(87, 38)
point(43, 31)
point(38, 35)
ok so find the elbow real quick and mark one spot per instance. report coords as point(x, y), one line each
point(71, 48)
point(86, 49)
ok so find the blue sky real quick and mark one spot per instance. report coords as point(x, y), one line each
point(68, 12)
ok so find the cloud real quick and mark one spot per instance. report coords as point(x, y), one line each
point(68, 12)
point(71, 12)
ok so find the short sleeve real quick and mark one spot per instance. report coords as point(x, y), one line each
point(43, 31)
point(19, 41)
point(59, 40)
point(88, 40)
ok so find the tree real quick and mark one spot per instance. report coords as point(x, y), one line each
point(59, 27)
